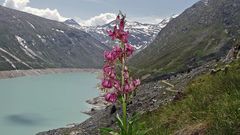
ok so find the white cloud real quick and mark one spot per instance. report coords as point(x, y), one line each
point(97, 20)
point(22, 5)
point(105, 18)
point(148, 20)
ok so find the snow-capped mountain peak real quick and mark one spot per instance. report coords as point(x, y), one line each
point(141, 34)
point(71, 22)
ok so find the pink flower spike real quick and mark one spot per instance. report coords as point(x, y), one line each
point(111, 97)
point(106, 83)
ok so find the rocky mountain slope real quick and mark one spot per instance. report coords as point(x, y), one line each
point(140, 36)
point(201, 33)
point(28, 42)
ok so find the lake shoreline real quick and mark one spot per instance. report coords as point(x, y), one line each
point(36, 72)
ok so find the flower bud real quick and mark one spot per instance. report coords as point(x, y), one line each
point(136, 82)
point(106, 83)
point(111, 97)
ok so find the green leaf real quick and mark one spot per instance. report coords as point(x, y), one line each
point(130, 128)
point(135, 117)
point(143, 132)
point(120, 123)
point(114, 133)
point(105, 131)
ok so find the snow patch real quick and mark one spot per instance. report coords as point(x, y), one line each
point(33, 43)
point(58, 30)
point(25, 48)
point(14, 57)
point(205, 2)
point(39, 36)
point(31, 24)
point(42, 39)
point(137, 47)
point(141, 27)
point(10, 62)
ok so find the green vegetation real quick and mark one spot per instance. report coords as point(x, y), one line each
point(210, 105)
point(198, 35)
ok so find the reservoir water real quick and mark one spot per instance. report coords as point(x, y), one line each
point(32, 104)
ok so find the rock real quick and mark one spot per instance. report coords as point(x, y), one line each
point(214, 71)
point(199, 129)
point(238, 55)
point(113, 110)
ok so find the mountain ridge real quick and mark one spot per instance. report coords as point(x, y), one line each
point(28, 42)
point(141, 34)
point(203, 32)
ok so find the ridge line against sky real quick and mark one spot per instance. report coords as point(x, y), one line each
point(99, 12)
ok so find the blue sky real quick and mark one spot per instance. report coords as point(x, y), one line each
point(148, 11)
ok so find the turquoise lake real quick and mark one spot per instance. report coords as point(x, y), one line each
point(32, 104)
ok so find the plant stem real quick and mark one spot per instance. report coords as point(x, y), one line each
point(124, 105)
point(124, 97)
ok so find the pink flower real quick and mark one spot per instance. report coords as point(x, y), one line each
point(114, 54)
point(107, 69)
point(118, 32)
point(118, 18)
point(136, 82)
point(111, 97)
point(116, 85)
point(112, 34)
point(118, 51)
point(122, 23)
point(106, 83)
point(109, 55)
point(127, 88)
point(113, 75)
point(126, 74)
point(129, 49)
point(124, 37)
point(132, 87)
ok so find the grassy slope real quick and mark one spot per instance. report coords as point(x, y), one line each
point(201, 33)
point(211, 104)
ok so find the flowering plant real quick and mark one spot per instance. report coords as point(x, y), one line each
point(119, 85)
